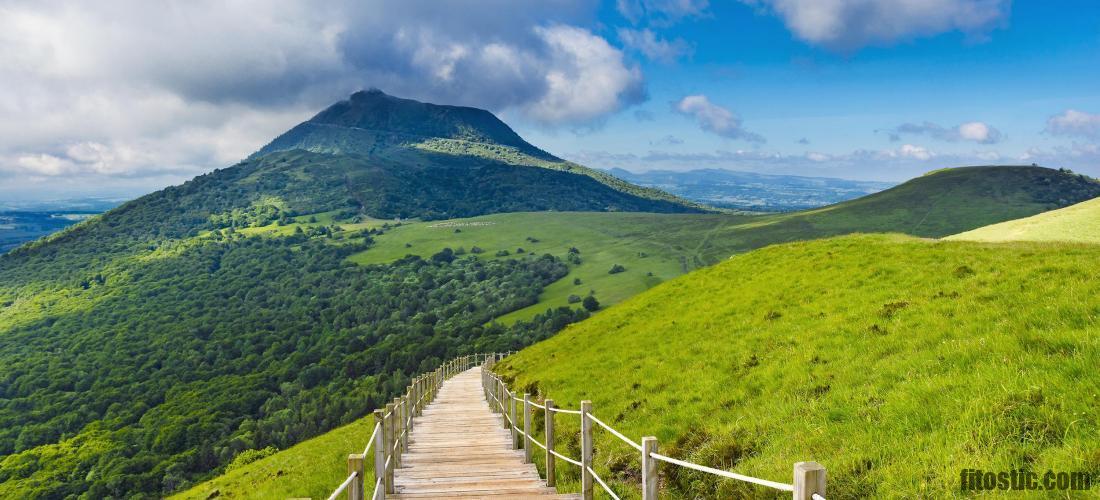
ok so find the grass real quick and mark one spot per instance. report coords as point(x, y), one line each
point(658, 247)
point(652, 248)
point(1078, 223)
point(893, 361)
point(310, 469)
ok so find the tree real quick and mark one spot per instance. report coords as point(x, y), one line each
point(590, 303)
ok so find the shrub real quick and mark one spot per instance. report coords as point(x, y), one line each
point(590, 303)
point(248, 456)
point(502, 253)
point(476, 250)
point(573, 299)
point(616, 269)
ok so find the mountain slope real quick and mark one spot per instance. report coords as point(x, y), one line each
point(1077, 223)
point(439, 144)
point(895, 362)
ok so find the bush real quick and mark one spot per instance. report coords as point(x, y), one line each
point(590, 303)
point(616, 269)
point(248, 456)
point(476, 249)
point(502, 253)
point(573, 299)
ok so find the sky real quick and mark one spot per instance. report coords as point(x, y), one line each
point(120, 97)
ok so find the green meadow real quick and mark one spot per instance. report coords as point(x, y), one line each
point(893, 361)
point(1079, 223)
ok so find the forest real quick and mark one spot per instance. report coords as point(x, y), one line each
point(166, 370)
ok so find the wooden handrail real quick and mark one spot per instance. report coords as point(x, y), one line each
point(808, 478)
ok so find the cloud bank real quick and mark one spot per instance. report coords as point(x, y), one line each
point(978, 132)
point(847, 25)
point(130, 88)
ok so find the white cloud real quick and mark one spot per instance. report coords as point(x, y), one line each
point(1075, 123)
point(851, 24)
point(911, 151)
point(654, 47)
point(714, 118)
point(979, 132)
point(587, 77)
point(118, 88)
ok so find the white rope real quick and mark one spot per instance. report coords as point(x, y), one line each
point(377, 484)
point(561, 410)
point(815, 496)
point(343, 486)
point(567, 459)
point(615, 432)
point(536, 405)
point(605, 487)
point(371, 441)
point(536, 441)
point(718, 472)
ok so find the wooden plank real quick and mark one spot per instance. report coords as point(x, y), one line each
point(458, 449)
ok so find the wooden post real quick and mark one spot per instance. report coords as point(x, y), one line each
point(586, 450)
point(406, 425)
point(398, 427)
point(551, 477)
point(649, 468)
point(380, 452)
point(526, 428)
point(809, 478)
point(515, 424)
point(355, 489)
point(388, 448)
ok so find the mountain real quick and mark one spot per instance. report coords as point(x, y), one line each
point(752, 191)
point(145, 348)
point(894, 362)
point(1076, 223)
point(397, 157)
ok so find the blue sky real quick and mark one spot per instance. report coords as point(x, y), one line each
point(1039, 60)
point(121, 97)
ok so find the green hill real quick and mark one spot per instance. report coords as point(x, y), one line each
point(403, 158)
point(895, 362)
point(1077, 223)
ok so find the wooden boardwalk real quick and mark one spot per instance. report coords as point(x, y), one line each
point(460, 449)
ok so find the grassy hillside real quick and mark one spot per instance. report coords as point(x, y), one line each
point(895, 362)
point(1078, 223)
point(656, 247)
point(310, 469)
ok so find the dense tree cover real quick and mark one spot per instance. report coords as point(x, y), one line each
point(182, 359)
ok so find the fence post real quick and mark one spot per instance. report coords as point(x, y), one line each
point(380, 452)
point(406, 425)
point(551, 477)
point(398, 428)
point(515, 424)
point(586, 450)
point(649, 468)
point(388, 448)
point(809, 478)
point(355, 465)
point(526, 428)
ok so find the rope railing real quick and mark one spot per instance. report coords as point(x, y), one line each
point(808, 477)
point(343, 486)
point(600, 481)
point(393, 424)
